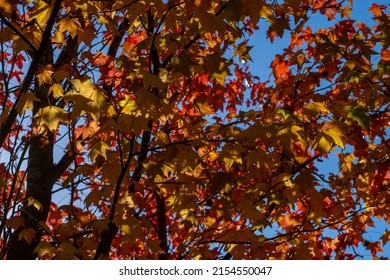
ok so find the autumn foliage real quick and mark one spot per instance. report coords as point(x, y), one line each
point(134, 129)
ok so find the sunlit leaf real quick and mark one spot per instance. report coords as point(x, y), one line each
point(52, 116)
point(128, 105)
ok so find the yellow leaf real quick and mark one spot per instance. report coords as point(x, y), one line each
point(61, 75)
point(283, 179)
point(351, 64)
point(128, 105)
point(345, 162)
point(203, 106)
point(231, 154)
point(127, 199)
point(220, 76)
point(32, 201)
point(111, 111)
point(301, 59)
point(88, 97)
point(25, 102)
point(66, 251)
point(94, 197)
point(154, 246)
point(337, 135)
point(162, 137)
point(70, 25)
point(68, 229)
point(329, 136)
point(41, 14)
point(184, 213)
point(129, 225)
point(57, 90)
point(51, 116)
point(324, 144)
point(256, 158)
point(100, 148)
point(266, 12)
point(316, 108)
point(243, 50)
point(44, 76)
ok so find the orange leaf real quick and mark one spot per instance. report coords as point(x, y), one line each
point(385, 55)
point(27, 234)
point(376, 9)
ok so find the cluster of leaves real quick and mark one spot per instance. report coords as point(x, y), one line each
point(130, 129)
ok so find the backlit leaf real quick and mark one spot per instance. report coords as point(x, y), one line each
point(15, 222)
point(99, 149)
point(44, 248)
point(359, 115)
point(89, 98)
point(128, 105)
point(27, 234)
point(26, 102)
point(52, 116)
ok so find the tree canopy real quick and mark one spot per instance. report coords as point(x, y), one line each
point(133, 129)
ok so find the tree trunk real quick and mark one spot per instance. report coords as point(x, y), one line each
point(39, 187)
point(40, 179)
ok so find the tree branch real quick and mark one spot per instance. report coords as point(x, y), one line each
point(17, 31)
point(7, 125)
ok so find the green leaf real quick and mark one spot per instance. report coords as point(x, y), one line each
point(359, 115)
point(287, 115)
